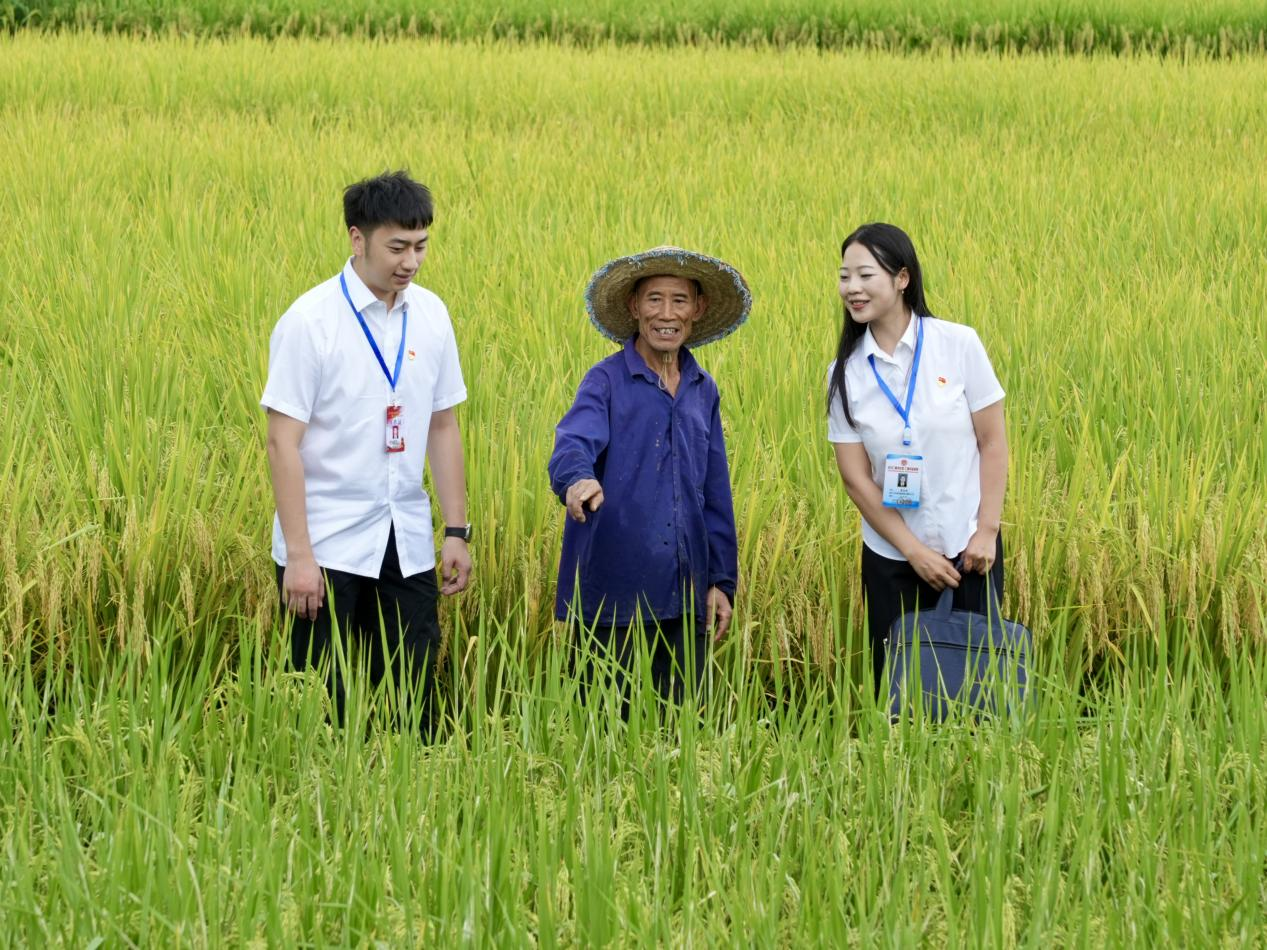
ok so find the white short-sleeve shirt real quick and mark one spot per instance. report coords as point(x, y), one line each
point(322, 371)
point(955, 380)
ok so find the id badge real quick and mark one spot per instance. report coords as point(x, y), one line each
point(902, 474)
point(395, 429)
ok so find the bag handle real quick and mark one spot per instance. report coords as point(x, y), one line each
point(992, 608)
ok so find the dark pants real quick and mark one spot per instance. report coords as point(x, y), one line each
point(892, 587)
point(391, 621)
point(677, 654)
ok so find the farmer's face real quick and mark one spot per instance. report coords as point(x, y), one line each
point(666, 309)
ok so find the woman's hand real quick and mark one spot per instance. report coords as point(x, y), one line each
point(935, 569)
point(978, 556)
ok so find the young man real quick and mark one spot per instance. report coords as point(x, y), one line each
point(640, 462)
point(363, 375)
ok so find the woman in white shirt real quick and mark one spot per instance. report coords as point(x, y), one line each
point(915, 412)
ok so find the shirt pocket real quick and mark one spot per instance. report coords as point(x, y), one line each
point(693, 433)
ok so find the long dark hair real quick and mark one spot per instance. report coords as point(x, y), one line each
point(893, 250)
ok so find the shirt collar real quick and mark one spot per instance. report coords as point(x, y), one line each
point(362, 297)
point(637, 366)
point(871, 348)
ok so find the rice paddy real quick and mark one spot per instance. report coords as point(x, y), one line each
point(1099, 220)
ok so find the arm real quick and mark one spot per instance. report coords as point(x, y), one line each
point(719, 519)
point(444, 455)
point(579, 439)
point(855, 470)
point(992, 444)
point(303, 588)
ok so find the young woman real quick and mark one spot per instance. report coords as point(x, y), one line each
point(915, 412)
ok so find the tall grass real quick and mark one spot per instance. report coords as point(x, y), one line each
point(162, 805)
point(1173, 27)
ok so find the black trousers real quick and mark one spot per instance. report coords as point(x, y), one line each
point(390, 623)
point(891, 587)
point(677, 651)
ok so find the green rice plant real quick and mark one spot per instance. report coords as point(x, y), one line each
point(1093, 219)
point(1181, 28)
point(165, 779)
point(152, 803)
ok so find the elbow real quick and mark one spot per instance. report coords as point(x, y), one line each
point(994, 449)
point(855, 486)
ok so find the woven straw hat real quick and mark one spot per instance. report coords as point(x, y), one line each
point(607, 296)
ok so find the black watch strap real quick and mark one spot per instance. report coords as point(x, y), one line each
point(464, 532)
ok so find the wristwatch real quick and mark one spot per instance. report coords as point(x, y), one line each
point(464, 532)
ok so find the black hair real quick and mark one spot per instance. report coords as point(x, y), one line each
point(893, 250)
point(389, 198)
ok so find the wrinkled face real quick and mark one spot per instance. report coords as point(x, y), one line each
point(389, 256)
point(868, 290)
point(666, 308)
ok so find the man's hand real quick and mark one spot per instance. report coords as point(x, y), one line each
point(455, 566)
point(718, 612)
point(979, 554)
point(586, 493)
point(936, 570)
point(303, 587)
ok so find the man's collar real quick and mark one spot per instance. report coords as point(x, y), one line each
point(637, 366)
point(362, 296)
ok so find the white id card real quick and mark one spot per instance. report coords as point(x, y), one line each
point(902, 475)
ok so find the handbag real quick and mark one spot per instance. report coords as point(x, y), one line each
point(958, 658)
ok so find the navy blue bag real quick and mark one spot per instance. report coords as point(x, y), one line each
point(959, 657)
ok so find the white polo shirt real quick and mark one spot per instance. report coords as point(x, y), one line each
point(322, 372)
point(955, 380)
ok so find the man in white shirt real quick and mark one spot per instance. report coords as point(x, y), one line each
point(363, 376)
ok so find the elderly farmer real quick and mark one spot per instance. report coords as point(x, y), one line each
point(640, 462)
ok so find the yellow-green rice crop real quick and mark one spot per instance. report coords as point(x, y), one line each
point(1098, 221)
point(164, 782)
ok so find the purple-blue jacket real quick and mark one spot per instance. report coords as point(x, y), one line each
point(666, 531)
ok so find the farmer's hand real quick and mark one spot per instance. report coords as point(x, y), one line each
point(935, 569)
point(979, 554)
point(455, 566)
point(719, 612)
point(303, 587)
point(583, 494)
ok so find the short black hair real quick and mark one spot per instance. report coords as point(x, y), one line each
point(389, 198)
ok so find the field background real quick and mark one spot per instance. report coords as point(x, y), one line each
point(1099, 220)
point(1173, 27)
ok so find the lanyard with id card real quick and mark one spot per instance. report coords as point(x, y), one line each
point(395, 428)
point(903, 471)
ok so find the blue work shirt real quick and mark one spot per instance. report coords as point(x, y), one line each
point(665, 533)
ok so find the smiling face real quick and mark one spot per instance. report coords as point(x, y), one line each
point(869, 291)
point(666, 309)
point(388, 257)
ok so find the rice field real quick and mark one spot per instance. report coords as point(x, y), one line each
point(1182, 28)
point(163, 780)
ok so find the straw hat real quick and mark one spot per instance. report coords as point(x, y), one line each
point(607, 296)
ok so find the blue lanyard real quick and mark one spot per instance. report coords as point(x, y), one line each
point(404, 325)
point(904, 412)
